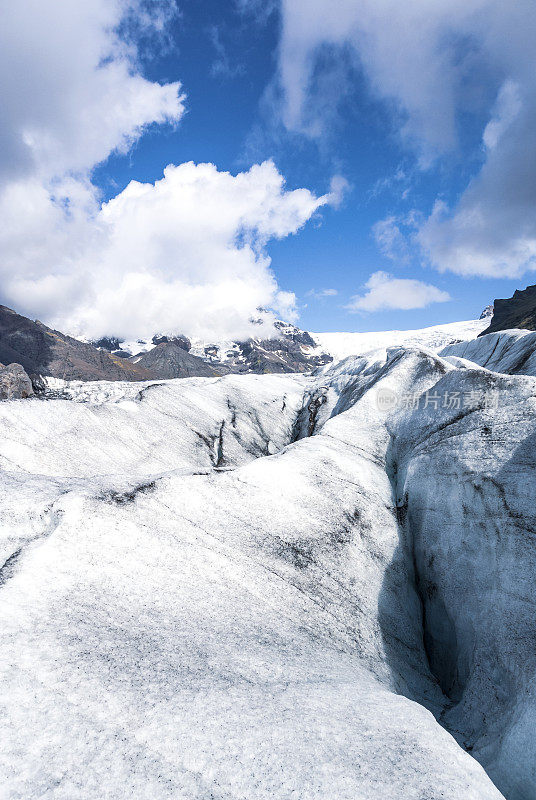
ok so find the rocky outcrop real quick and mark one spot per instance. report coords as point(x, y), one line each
point(110, 343)
point(43, 351)
point(182, 341)
point(518, 311)
point(15, 383)
point(169, 359)
point(116, 346)
point(285, 354)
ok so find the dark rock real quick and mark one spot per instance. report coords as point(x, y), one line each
point(15, 383)
point(170, 360)
point(109, 343)
point(287, 353)
point(295, 334)
point(43, 351)
point(181, 341)
point(518, 311)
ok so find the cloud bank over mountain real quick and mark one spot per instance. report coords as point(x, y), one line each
point(187, 250)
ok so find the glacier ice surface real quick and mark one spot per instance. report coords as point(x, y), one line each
point(271, 587)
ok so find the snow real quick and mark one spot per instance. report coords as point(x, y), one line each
point(149, 428)
point(219, 350)
point(270, 587)
point(338, 345)
point(137, 346)
point(341, 345)
point(512, 352)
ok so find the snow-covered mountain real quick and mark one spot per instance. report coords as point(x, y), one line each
point(292, 350)
point(286, 349)
point(275, 586)
point(45, 353)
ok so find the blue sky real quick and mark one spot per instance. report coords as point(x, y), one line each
point(339, 251)
point(319, 88)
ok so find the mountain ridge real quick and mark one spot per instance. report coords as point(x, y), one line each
point(45, 352)
point(518, 311)
point(41, 350)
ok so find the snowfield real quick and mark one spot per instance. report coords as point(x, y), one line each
point(274, 586)
point(342, 345)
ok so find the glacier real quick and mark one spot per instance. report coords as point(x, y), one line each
point(342, 345)
point(275, 586)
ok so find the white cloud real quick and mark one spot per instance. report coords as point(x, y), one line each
point(431, 63)
point(186, 253)
point(404, 49)
point(321, 294)
point(338, 189)
point(387, 292)
point(507, 107)
point(492, 230)
point(221, 66)
point(72, 92)
point(390, 239)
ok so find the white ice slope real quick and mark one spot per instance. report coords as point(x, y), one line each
point(512, 352)
point(265, 587)
point(342, 345)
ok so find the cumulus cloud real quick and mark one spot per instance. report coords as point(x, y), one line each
point(429, 63)
point(185, 253)
point(321, 294)
point(386, 292)
point(72, 91)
